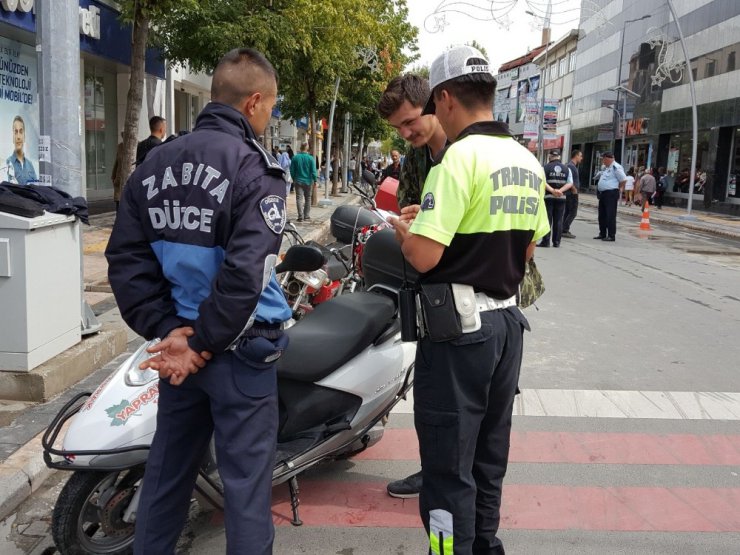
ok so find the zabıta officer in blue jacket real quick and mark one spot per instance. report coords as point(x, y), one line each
point(191, 259)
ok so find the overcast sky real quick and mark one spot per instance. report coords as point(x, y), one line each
point(502, 44)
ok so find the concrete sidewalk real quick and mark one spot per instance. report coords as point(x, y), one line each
point(22, 469)
point(708, 222)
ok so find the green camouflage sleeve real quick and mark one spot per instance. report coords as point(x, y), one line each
point(409, 181)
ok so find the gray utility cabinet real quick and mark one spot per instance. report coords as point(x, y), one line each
point(40, 289)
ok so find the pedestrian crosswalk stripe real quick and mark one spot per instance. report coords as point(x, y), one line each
point(596, 403)
point(587, 448)
point(527, 506)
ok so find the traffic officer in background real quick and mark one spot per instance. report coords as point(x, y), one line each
point(571, 195)
point(611, 179)
point(191, 260)
point(482, 211)
point(401, 105)
point(558, 181)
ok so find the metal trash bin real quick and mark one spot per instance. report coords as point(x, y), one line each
point(40, 289)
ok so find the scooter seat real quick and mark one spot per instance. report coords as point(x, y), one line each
point(334, 333)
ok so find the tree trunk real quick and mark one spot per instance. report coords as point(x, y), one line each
point(135, 96)
point(317, 155)
point(336, 151)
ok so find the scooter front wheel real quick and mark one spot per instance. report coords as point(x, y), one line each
point(88, 516)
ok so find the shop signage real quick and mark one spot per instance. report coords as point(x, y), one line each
point(19, 5)
point(637, 126)
point(90, 22)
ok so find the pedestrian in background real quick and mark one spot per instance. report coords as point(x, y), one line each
point(661, 188)
point(401, 105)
point(647, 188)
point(193, 264)
point(611, 180)
point(571, 195)
point(465, 380)
point(394, 168)
point(557, 181)
point(284, 160)
point(158, 131)
point(304, 174)
point(118, 176)
point(629, 187)
point(351, 170)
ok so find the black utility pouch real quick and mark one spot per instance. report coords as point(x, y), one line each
point(441, 320)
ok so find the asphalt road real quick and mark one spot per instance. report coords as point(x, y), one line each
point(626, 437)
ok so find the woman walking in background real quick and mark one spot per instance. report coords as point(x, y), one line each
point(629, 187)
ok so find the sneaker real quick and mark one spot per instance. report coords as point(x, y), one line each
point(544, 245)
point(299, 220)
point(406, 488)
point(568, 235)
point(601, 237)
point(609, 239)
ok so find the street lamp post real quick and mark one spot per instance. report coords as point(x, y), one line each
point(543, 78)
point(694, 115)
point(627, 92)
point(619, 80)
point(326, 201)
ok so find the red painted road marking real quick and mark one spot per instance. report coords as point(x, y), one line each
point(529, 507)
point(587, 447)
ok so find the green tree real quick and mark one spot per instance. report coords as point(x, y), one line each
point(140, 14)
point(310, 42)
point(475, 44)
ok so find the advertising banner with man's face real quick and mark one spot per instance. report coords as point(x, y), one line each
point(19, 113)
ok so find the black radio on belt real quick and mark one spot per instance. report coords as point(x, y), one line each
point(407, 309)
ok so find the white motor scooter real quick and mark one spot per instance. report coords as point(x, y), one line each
point(343, 372)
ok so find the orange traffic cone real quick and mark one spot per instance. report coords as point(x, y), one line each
point(645, 221)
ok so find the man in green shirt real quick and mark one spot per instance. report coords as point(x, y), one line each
point(303, 172)
point(482, 211)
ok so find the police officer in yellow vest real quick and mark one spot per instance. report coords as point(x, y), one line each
point(481, 213)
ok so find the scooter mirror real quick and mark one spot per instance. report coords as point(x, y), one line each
point(301, 258)
point(369, 177)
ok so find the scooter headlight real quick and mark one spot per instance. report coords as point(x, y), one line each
point(135, 376)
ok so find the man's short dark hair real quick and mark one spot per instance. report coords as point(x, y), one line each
point(155, 122)
point(475, 90)
point(608, 155)
point(410, 86)
point(575, 152)
point(231, 88)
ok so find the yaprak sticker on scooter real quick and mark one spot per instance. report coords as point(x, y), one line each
point(124, 410)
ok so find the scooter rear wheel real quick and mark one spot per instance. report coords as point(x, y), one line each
point(88, 516)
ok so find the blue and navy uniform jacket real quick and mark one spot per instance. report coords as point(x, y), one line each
point(197, 235)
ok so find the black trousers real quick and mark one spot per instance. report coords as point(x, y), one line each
point(235, 396)
point(608, 201)
point(463, 399)
point(571, 209)
point(555, 212)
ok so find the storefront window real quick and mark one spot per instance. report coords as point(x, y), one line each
point(100, 131)
point(732, 189)
point(679, 162)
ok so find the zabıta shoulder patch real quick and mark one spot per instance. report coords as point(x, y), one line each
point(428, 202)
point(274, 213)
